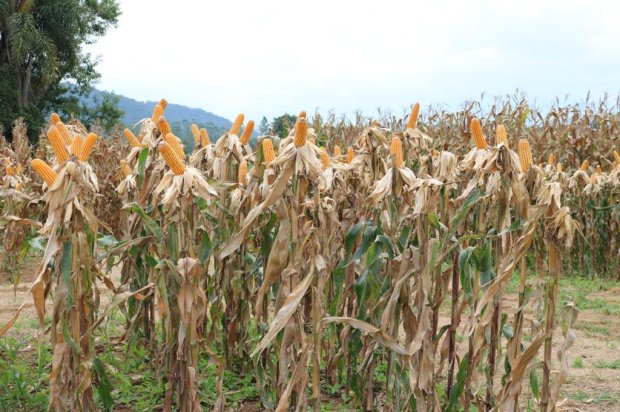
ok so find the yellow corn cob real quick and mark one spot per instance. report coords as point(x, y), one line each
point(413, 119)
point(43, 169)
point(7, 167)
point(58, 144)
point(525, 155)
point(125, 169)
point(558, 167)
point(54, 118)
point(476, 131)
point(337, 151)
point(617, 156)
point(599, 170)
point(158, 111)
point(19, 169)
point(204, 138)
point(350, 154)
point(172, 160)
point(19, 186)
point(247, 132)
point(236, 126)
point(175, 143)
point(301, 131)
point(131, 138)
point(501, 136)
point(64, 132)
point(76, 145)
point(551, 160)
point(164, 126)
point(325, 158)
point(87, 149)
point(585, 165)
point(396, 151)
point(268, 153)
point(592, 179)
point(242, 177)
point(196, 134)
point(163, 103)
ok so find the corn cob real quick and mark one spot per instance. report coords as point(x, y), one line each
point(337, 151)
point(163, 103)
point(64, 132)
point(396, 151)
point(171, 159)
point(163, 126)
point(175, 143)
point(525, 155)
point(325, 158)
point(617, 156)
point(242, 177)
point(500, 135)
point(236, 126)
point(476, 131)
point(204, 137)
point(158, 111)
point(54, 118)
point(43, 169)
point(551, 159)
point(585, 165)
point(58, 144)
point(599, 170)
point(592, 179)
point(7, 167)
point(350, 154)
point(133, 141)
point(558, 167)
point(125, 169)
point(413, 119)
point(247, 132)
point(76, 145)
point(268, 152)
point(196, 134)
point(301, 131)
point(87, 149)
point(19, 169)
point(19, 186)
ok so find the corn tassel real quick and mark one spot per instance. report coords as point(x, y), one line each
point(58, 144)
point(158, 111)
point(204, 138)
point(247, 132)
point(301, 131)
point(131, 138)
point(44, 170)
point(350, 154)
point(585, 165)
point(396, 151)
point(525, 155)
point(501, 137)
point(476, 131)
point(413, 119)
point(236, 126)
point(196, 134)
point(268, 153)
point(242, 177)
point(87, 149)
point(172, 160)
point(175, 143)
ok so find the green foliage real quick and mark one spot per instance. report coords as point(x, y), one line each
point(281, 125)
point(43, 66)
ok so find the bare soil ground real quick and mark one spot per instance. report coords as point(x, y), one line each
point(594, 380)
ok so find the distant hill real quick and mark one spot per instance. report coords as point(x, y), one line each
point(180, 117)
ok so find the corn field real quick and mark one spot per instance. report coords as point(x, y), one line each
point(314, 261)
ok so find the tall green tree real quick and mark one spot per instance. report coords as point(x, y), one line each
point(43, 66)
point(282, 125)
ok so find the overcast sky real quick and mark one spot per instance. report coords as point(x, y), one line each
point(269, 57)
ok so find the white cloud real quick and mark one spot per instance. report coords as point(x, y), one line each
point(270, 57)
